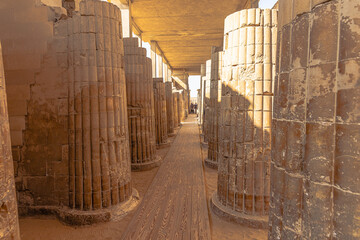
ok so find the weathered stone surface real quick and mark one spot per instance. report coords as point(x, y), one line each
point(206, 81)
point(169, 107)
point(70, 125)
point(99, 136)
point(314, 187)
point(246, 111)
point(9, 223)
point(140, 101)
point(175, 95)
point(161, 129)
point(214, 109)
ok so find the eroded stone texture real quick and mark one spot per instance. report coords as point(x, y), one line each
point(246, 108)
point(315, 190)
point(67, 106)
point(9, 223)
point(169, 107)
point(140, 101)
point(206, 100)
point(35, 64)
point(180, 95)
point(214, 109)
point(161, 129)
point(99, 138)
point(175, 108)
point(202, 96)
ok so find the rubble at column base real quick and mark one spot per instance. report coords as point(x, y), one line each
point(236, 217)
point(75, 217)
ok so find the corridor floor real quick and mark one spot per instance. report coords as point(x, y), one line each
point(174, 206)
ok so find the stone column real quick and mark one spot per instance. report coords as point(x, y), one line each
point(160, 112)
point(214, 110)
point(169, 107)
point(315, 184)
point(98, 140)
point(202, 96)
point(140, 101)
point(175, 109)
point(206, 104)
point(246, 106)
point(9, 223)
point(181, 108)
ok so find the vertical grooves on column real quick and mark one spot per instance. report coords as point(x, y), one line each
point(98, 138)
point(243, 184)
point(140, 102)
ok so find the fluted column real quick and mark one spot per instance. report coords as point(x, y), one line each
point(99, 140)
point(315, 184)
point(175, 108)
point(245, 125)
point(160, 112)
point(214, 108)
point(169, 107)
point(140, 100)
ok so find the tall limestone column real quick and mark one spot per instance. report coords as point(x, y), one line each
point(140, 101)
point(160, 112)
point(169, 108)
point(9, 223)
point(202, 96)
point(243, 192)
point(175, 95)
point(315, 184)
point(99, 139)
point(214, 110)
point(206, 104)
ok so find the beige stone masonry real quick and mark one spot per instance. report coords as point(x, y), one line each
point(160, 111)
point(214, 109)
point(140, 101)
point(243, 192)
point(315, 185)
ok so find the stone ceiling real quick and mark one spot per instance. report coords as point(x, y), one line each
point(185, 30)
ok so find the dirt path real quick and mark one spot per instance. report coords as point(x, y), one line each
point(175, 206)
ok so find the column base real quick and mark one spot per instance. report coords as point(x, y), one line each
point(75, 217)
point(236, 217)
point(163, 145)
point(211, 164)
point(138, 167)
point(171, 134)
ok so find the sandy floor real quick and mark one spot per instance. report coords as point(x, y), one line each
point(48, 228)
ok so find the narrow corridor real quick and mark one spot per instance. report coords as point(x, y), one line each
point(174, 206)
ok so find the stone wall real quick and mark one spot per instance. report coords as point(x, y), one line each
point(9, 223)
point(315, 188)
point(35, 67)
